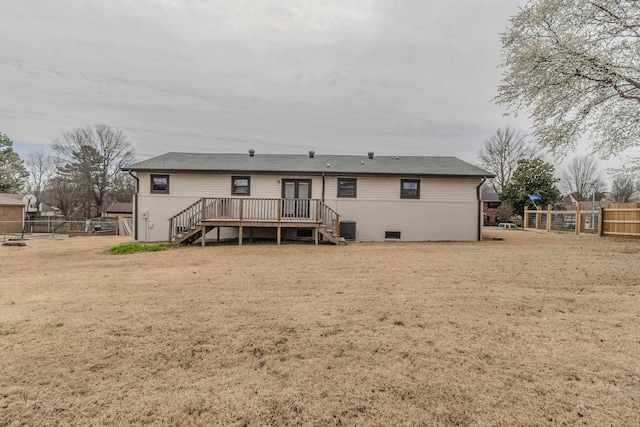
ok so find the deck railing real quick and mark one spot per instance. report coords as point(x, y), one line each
point(254, 209)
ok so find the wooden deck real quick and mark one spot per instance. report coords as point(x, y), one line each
point(195, 221)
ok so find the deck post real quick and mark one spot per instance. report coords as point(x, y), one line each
point(278, 233)
point(315, 235)
point(203, 214)
point(203, 233)
point(337, 227)
point(240, 234)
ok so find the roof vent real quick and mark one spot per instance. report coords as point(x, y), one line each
point(370, 153)
point(312, 154)
point(252, 153)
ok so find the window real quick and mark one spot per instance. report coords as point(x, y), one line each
point(240, 185)
point(160, 184)
point(493, 205)
point(410, 189)
point(392, 235)
point(347, 187)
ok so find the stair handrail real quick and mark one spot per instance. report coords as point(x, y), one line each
point(185, 219)
point(329, 218)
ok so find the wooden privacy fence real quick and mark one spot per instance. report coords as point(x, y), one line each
point(621, 219)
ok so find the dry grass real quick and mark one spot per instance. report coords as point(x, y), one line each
point(538, 329)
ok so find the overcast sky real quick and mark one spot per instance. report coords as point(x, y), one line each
point(410, 77)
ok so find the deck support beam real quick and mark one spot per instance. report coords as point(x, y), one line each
point(240, 230)
point(278, 234)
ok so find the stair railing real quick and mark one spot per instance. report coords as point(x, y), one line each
point(185, 219)
point(329, 218)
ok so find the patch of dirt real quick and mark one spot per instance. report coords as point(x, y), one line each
point(534, 329)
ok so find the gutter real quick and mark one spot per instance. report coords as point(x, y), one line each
point(484, 179)
point(135, 207)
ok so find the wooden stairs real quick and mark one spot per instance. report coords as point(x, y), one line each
point(192, 235)
point(331, 236)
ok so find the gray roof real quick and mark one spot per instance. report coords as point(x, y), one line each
point(304, 164)
point(10, 199)
point(490, 197)
point(120, 207)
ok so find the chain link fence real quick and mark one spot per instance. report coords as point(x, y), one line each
point(57, 227)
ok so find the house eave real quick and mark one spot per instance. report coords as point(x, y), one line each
point(306, 173)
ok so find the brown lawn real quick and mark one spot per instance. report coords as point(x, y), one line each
point(537, 329)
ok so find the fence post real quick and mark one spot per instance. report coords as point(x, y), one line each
point(538, 218)
point(601, 221)
point(549, 207)
point(578, 220)
point(526, 217)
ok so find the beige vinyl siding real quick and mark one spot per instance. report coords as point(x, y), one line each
point(388, 188)
point(447, 208)
point(185, 189)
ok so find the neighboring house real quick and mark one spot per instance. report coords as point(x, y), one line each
point(11, 214)
point(367, 198)
point(48, 211)
point(119, 210)
point(490, 205)
point(124, 213)
point(36, 209)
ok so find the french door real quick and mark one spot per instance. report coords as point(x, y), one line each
point(296, 194)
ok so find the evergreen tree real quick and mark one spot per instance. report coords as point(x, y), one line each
point(530, 177)
point(13, 175)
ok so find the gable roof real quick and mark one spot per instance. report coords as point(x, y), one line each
point(305, 164)
point(10, 199)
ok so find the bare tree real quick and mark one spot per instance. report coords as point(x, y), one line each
point(574, 65)
point(500, 154)
point(622, 188)
point(582, 177)
point(124, 187)
point(63, 193)
point(92, 159)
point(42, 167)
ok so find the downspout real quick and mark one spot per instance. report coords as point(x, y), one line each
point(480, 207)
point(135, 207)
